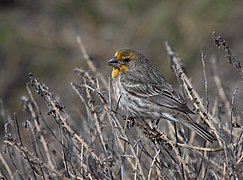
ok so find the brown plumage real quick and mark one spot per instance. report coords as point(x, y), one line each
point(144, 93)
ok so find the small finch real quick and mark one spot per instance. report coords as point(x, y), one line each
point(145, 94)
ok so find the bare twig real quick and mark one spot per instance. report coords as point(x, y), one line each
point(6, 165)
point(89, 62)
point(221, 43)
point(36, 162)
point(152, 164)
point(205, 80)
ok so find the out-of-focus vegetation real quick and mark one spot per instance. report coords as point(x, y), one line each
point(40, 37)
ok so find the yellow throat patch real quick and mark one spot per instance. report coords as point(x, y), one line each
point(117, 71)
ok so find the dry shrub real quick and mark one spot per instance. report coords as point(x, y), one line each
point(111, 146)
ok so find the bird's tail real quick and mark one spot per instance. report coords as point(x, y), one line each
point(201, 131)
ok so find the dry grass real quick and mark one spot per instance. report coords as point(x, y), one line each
point(110, 146)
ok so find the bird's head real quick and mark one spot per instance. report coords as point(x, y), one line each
point(122, 61)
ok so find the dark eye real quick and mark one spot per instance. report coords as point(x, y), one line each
point(126, 60)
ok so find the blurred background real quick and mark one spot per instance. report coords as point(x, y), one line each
point(40, 37)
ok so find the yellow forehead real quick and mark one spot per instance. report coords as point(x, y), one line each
point(120, 55)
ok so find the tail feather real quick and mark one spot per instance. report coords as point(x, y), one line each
point(186, 120)
point(201, 131)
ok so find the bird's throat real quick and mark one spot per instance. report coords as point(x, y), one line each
point(117, 70)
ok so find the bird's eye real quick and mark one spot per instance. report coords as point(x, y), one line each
point(126, 60)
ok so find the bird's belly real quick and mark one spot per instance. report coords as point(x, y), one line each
point(137, 107)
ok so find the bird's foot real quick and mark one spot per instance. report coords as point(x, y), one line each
point(130, 122)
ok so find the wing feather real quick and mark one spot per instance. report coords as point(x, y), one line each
point(154, 88)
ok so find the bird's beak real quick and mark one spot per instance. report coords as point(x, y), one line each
point(113, 62)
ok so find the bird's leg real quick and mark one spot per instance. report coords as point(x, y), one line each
point(117, 105)
point(157, 122)
point(176, 135)
point(130, 121)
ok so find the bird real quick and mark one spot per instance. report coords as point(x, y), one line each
point(143, 92)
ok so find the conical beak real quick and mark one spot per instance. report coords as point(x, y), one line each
point(113, 62)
